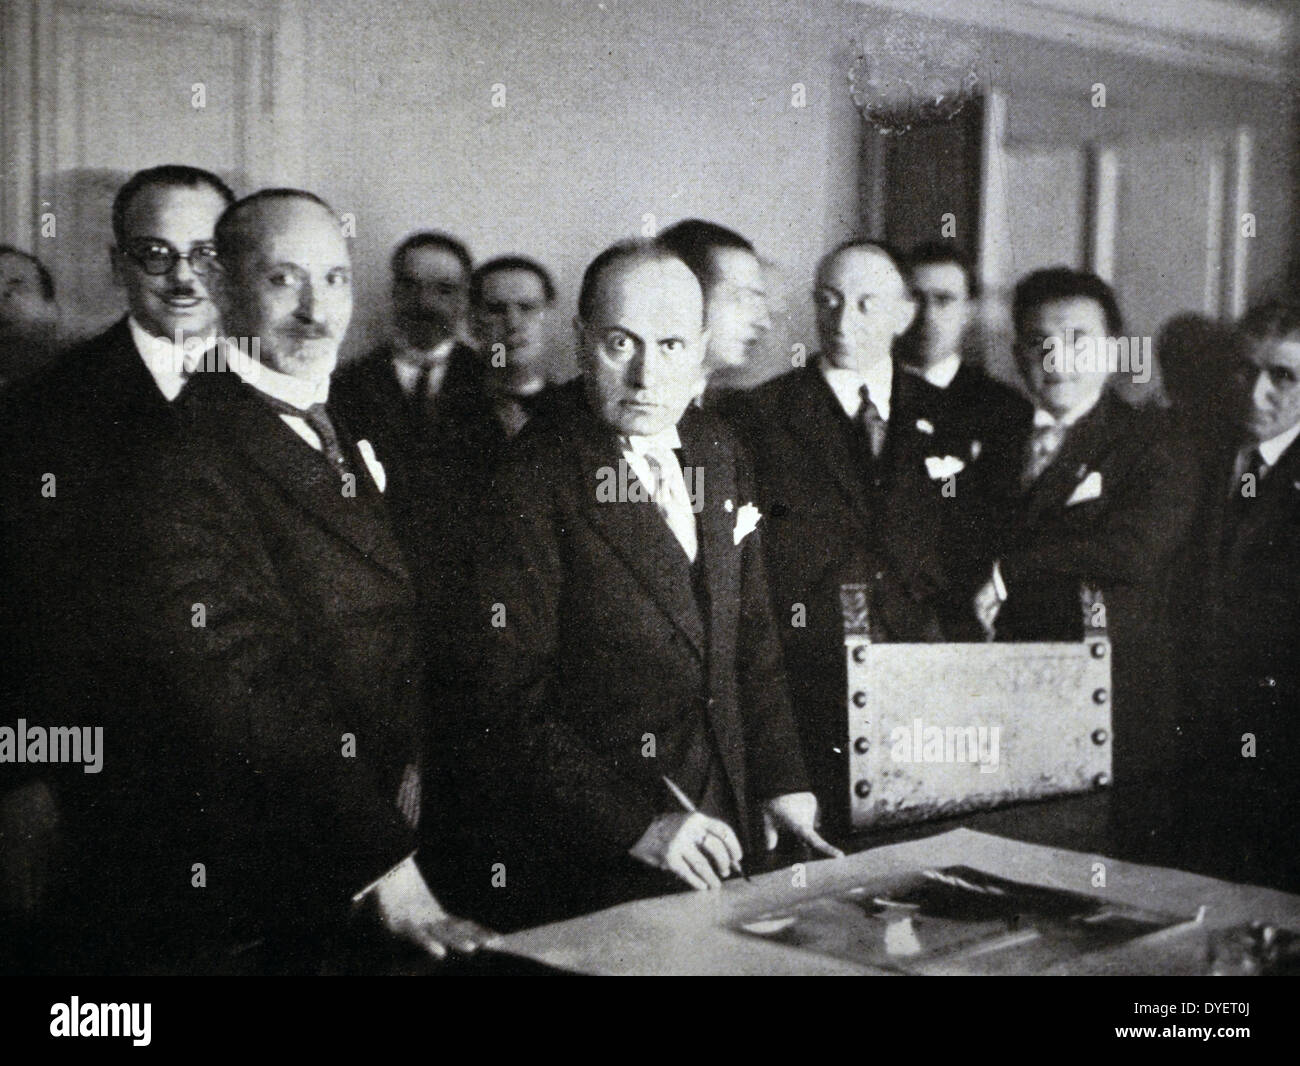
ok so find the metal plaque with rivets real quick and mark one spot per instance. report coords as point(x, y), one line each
point(941, 729)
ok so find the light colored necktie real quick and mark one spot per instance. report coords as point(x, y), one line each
point(671, 498)
point(408, 795)
point(1044, 443)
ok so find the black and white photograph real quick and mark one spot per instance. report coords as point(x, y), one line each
point(649, 488)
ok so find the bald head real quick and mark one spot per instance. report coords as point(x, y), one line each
point(862, 303)
point(641, 338)
point(286, 279)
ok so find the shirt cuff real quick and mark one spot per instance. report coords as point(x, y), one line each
point(384, 876)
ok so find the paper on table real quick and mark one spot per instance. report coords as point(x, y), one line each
point(689, 933)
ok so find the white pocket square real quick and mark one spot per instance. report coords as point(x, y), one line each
point(940, 468)
point(1087, 489)
point(373, 464)
point(746, 522)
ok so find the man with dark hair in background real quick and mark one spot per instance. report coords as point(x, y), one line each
point(1103, 500)
point(1240, 615)
point(29, 314)
point(974, 416)
point(399, 395)
point(735, 294)
point(510, 300)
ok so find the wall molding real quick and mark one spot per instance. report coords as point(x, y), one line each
point(1232, 39)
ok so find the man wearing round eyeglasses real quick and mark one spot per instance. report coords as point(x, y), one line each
point(162, 255)
point(73, 436)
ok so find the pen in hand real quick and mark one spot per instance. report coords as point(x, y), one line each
point(687, 805)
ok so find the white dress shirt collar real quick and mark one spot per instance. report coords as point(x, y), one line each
point(846, 384)
point(296, 392)
point(940, 374)
point(1273, 449)
point(168, 363)
point(665, 439)
point(1044, 419)
point(405, 352)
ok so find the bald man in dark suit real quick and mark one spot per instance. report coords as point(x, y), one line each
point(270, 636)
point(631, 731)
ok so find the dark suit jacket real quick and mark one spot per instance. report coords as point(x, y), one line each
point(229, 737)
point(1123, 542)
point(1239, 627)
point(88, 420)
point(836, 517)
point(409, 444)
point(977, 419)
point(607, 643)
point(985, 424)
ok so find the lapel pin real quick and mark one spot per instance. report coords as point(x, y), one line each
point(728, 507)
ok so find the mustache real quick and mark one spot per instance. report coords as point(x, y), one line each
point(313, 332)
point(181, 291)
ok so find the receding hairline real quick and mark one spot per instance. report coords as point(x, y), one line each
point(233, 225)
point(867, 248)
point(619, 260)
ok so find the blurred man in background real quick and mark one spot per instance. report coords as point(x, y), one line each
point(735, 295)
point(29, 314)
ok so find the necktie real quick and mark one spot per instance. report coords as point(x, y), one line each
point(423, 401)
point(408, 795)
point(420, 394)
point(1249, 461)
point(873, 426)
point(671, 498)
point(318, 418)
point(1044, 443)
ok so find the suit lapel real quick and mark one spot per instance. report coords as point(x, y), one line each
point(300, 471)
point(127, 385)
point(1277, 495)
point(635, 531)
point(721, 559)
point(816, 418)
point(1082, 451)
point(715, 482)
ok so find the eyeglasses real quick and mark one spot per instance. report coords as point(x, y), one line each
point(159, 257)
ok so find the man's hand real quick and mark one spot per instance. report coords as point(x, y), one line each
point(795, 812)
point(409, 911)
point(698, 849)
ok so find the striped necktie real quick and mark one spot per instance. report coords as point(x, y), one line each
point(318, 418)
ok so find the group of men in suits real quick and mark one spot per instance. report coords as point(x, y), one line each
point(427, 635)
